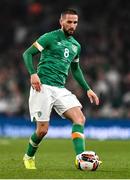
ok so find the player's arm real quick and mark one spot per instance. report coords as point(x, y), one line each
point(37, 47)
point(79, 77)
point(28, 60)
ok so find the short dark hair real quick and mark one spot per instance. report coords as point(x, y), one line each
point(69, 11)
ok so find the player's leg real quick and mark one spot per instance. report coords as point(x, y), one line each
point(67, 105)
point(76, 116)
point(40, 105)
point(35, 139)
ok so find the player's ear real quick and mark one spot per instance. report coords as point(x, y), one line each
point(60, 21)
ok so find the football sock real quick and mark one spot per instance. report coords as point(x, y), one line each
point(78, 138)
point(33, 145)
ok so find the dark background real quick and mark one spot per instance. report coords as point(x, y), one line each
point(104, 34)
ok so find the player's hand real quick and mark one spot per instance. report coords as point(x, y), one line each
point(93, 97)
point(35, 82)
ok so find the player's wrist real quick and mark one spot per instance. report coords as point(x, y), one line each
point(87, 87)
point(33, 73)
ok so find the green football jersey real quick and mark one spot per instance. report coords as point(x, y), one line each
point(57, 53)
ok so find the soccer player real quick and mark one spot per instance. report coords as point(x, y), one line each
point(59, 53)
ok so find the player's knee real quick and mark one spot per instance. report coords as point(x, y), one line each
point(41, 132)
point(80, 120)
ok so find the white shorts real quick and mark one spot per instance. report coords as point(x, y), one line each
point(41, 103)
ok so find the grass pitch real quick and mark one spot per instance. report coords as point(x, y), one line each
point(55, 160)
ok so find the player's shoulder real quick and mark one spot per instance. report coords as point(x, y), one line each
point(51, 33)
point(48, 38)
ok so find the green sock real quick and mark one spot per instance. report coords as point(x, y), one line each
point(78, 138)
point(33, 145)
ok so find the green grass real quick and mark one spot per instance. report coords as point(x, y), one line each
point(55, 160)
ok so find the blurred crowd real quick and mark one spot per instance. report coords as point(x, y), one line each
point(104, 34)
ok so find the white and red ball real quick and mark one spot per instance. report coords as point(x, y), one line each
point(87, 160)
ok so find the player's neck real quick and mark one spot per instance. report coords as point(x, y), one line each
point(66, 34)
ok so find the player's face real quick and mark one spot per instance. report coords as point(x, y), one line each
point(69, 23)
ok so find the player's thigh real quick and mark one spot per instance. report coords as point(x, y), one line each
point(75, 115)
point(67, 105)
point(40, 104)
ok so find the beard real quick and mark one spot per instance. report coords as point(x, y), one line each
point(68, 32)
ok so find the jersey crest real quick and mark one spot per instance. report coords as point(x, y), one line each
point(74, 48)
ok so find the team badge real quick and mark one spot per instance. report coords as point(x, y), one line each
point(74, 48)
point(39, 113)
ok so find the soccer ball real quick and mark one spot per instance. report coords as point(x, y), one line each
point(87, 160)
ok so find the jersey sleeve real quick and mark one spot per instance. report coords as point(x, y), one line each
point(76, 59)
point(42, 42)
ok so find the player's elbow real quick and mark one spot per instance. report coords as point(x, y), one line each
point(24, 54)
point(74, 72)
